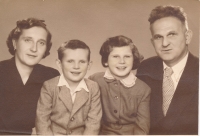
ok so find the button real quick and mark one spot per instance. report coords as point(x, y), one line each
point(72, 119)
point(115, 111)
point(70, 132)
point(116, 97)
point(134, 114)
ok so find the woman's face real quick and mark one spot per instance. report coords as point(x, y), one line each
point(120, 61)
point(31, 46)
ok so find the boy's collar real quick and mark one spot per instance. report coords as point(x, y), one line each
point(81, 85)
point(129, 81)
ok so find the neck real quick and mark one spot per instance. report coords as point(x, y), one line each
point(23, 70)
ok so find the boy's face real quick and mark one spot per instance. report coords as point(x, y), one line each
point(74, 65)
point(120, 61)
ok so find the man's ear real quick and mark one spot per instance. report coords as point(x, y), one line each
point(89, 65)
point(188, 36)
point(58, 63)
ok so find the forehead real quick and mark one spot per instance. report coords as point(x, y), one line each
point(76, 53)
point(165, 25)
point(34, 32)
point(123, 49)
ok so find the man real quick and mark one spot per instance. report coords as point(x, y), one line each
point(174, 97)
point(21, 77)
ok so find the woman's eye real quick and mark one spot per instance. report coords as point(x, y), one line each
point(115, 56)
point(27, 40)
point(127, 56)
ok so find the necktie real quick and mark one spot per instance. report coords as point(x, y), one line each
point(168, 89)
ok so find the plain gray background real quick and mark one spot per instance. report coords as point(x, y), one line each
point(93, 21)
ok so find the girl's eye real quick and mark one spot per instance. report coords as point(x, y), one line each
point(127, 56)
point(69, 61)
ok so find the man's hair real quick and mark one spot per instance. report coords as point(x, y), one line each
point(72, 44)
point(26, 24)
point(119, 41)
point(168, 11)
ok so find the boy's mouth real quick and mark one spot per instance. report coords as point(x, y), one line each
point(75, 73)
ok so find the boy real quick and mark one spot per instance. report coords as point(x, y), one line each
point(69, 104)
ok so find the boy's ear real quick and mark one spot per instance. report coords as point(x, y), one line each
point(58, 63)
point(89, 65)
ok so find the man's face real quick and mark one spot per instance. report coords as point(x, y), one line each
point(170, 39)
point(31, 46)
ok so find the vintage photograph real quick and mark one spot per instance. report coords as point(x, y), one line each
point(99, 67)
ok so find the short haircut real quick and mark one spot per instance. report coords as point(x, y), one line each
point(72, 44)
point(119, 41)
point(168, 11)
point(26, 24)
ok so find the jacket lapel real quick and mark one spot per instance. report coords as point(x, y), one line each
point(65, 97)
point(182, 95)
point(81, 98)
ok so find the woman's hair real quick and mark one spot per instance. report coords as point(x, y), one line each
point(72, 44)
point(168, 11)
point(119, 41)
point(26, 24)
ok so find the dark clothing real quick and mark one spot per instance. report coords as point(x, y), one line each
point(125, 109)
point(182, 115)
point(18, 101)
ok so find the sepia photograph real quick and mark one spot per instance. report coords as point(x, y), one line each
point(99, 67)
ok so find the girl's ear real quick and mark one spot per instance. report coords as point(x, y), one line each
point(58, 63)
point(90, 65)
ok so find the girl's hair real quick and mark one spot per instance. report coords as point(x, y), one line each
point(72, 44)
point(26, 24)
point(119, 41)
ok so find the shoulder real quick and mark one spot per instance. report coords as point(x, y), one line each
point(46, 72)
point(5, 63)
point(51, 83)
point(142, 85)
point(97, 76)
point(92, 86)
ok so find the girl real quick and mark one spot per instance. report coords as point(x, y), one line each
point(125, 99)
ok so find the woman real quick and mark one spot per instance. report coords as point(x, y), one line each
point(21, 77)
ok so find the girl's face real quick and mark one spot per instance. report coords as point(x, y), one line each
point(120, 61)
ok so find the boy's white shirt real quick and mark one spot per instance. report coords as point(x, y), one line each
point(81, 85)
point(129, 81)
point(177, 70)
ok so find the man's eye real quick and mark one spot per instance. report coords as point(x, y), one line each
point(41, 43)
point(157, 37)
point(172, 34)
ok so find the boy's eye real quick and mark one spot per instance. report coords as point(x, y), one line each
point(42, 43)
point(82, 61)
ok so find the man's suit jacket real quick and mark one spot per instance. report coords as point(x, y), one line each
point(182, 115)
point(56, 114)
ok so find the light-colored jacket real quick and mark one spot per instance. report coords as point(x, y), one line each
point(57, 115)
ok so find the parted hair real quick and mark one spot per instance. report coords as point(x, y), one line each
point(119, 41)
point(72, 44)
point(168, 11)
point(26, 24)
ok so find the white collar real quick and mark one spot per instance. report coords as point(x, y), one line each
point(129, 81)
point(81, 85)
point(179, 66)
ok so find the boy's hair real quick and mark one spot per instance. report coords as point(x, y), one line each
point(168, 11)
point(72, 44)
point(26, 24)
point(119, 41)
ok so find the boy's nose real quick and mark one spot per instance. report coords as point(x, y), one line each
point(76, 65)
